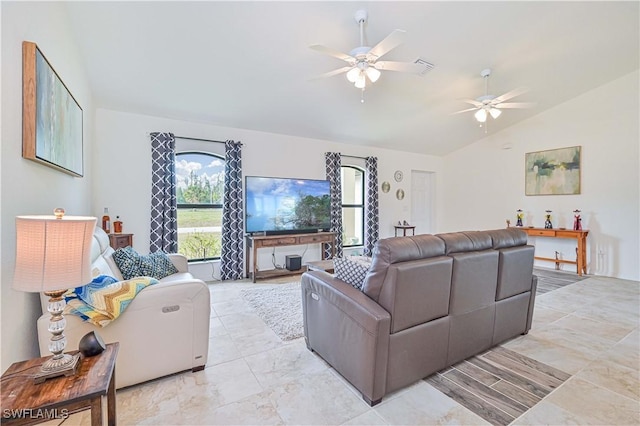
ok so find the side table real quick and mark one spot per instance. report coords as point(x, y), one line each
point(120, 240)
point(320, 265)
point(404, 229)
point(26, 403)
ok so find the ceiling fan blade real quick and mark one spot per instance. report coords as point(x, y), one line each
point(515, 105)
point(332, 73)
point(472, 102)
point(332, 52)
point(509, 95)
point(465, 110)
point(399, 66)
point(391, 41)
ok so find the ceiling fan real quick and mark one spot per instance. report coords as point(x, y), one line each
point(363, 61)
point(491, 105)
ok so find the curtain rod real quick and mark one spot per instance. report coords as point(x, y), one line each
point(353, 156)
point(197, 139)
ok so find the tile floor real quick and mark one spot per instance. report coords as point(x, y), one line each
point(589, 329)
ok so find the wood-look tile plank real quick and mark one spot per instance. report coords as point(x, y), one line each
point(532, 363)
point(516, 393)
point(479, 374)
point(492, 396)
point(527, 372)
point(467, 399)
point(513, 378)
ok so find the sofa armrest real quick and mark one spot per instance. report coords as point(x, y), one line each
point(349, 330)
point(179, 261)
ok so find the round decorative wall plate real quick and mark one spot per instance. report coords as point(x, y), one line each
point(399, 194)
point(398, 176)
point(386, 187)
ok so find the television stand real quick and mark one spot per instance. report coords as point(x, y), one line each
point(256, 242)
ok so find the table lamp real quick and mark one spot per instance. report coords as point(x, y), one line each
point(53, 254)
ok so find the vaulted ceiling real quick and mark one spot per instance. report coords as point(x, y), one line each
point(249, 65)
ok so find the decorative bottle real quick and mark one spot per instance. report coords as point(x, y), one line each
point(547, 222)
point(577, 221)
point(117, 225)
point(106, 221)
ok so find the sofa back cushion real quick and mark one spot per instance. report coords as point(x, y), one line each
point(417, 291)
point(515, 266)
point(510, 237)
point(394, 250)
point(474, 280)
point(515, 270)
point(458, 242)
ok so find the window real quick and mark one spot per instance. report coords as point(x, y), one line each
point(199, 193)
point(352, 206)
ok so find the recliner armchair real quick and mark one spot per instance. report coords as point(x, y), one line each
point(164, 330)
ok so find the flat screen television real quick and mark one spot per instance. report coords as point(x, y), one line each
point(286, 206)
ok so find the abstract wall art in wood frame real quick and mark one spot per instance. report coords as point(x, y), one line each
point(51, 117)
point(553, 172)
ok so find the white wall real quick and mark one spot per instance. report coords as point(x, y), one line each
point(29, 187)
point(122, 165)
point(484, 183)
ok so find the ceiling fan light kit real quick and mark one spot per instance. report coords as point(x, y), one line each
point(364, 61)
point(491, 105)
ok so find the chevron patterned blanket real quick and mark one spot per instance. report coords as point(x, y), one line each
point(104, 299)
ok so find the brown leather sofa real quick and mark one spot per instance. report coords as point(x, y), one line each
point(428, 302)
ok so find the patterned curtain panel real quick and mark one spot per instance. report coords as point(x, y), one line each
point(164, 222)
point(333, 163)
point(231, 265)
point(371, 224)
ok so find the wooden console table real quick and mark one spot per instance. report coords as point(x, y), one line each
point(271, 241)
point(27, 403)
point(581, 250)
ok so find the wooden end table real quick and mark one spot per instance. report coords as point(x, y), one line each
point(404, 229)
point(26, 403)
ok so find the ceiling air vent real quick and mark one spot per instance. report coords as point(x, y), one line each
point(427, 66)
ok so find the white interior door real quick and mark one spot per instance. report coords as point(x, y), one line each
point(422, 201)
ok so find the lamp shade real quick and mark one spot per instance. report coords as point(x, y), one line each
point(52, 254)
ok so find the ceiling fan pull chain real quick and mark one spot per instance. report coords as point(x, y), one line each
point(362, 96)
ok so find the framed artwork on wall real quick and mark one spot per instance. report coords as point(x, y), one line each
point(51, 117)
point(553, 172)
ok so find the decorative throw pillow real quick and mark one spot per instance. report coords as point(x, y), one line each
point(352, 270)
point(156, 265)
point(132, 264)
point(128, 261)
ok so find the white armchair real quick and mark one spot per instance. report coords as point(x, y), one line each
point(164, 330)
